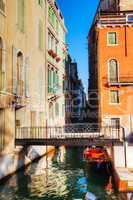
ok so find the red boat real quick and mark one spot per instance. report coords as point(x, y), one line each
point(94, 153)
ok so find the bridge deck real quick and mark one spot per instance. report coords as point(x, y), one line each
point(67, 142)
point(57, 136)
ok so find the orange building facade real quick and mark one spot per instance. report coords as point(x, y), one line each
point(111, 67)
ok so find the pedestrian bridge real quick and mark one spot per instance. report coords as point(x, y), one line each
point(69, 135)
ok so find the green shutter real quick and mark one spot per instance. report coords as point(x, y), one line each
point(49, 80)
point(20, 14)
point(40, 2)
point(57, 85)
point(54, 82)
point(40, 34)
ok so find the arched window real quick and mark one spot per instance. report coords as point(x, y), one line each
point(113, 71)
point(19, 73)
point(19, 65)
point(1, 47)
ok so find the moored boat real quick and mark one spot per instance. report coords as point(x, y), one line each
point(94, 153)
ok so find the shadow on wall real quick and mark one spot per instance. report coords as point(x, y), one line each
point(129, 139)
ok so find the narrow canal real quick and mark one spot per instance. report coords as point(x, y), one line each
point(63, 175)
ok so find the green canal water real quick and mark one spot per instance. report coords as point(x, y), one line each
point(57, 177)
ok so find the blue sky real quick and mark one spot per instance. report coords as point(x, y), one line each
point(78, 15)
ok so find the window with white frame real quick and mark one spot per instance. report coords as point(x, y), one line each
point(114, 97)
point(112, 38)
point(113, 71)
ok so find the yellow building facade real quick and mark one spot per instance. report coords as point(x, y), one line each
point(31, 78)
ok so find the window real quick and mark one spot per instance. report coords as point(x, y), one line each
point(27, 74)
point(115, 122)
point(20, 14)
point(33, 118)
point(20, 74)
point(52, 43)
point(114, 96)
point(50, 83)
point(113, 71)
point(2, 5)
point(40, 2)
point(130, 18)
point(40, 35)
point(41, 119)
point(112, 38)
point(52, 16)
point(57, 109)
point(53, 80)
point(2, 66)
point(49, 41)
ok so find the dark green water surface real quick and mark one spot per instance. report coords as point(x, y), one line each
point(57, 177)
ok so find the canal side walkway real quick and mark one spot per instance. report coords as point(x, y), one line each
point(10, 163)
point(124, 179)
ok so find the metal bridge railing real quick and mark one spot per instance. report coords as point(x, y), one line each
point(70, 131)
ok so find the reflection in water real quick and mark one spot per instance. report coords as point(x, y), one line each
point(62, 175)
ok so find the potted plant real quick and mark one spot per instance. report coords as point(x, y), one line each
point(50, 51)
point(58, 59)
point(54, 55)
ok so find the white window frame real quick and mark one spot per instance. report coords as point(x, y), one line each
point(108, 44)
point(115, 103)
point(118, 65)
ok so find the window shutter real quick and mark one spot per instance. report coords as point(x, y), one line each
point(52, 83)
point(14, 70)
point(20, 14)
point(40, 34)
point(26, 77)
point(40, 2)
point(4, 69)
point(49, 80)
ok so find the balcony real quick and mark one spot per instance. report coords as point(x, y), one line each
point(122, 81)
point(115, 19)
point(20, 100)
point(2, 6)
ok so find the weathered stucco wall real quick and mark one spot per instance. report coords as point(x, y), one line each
point(126, 5)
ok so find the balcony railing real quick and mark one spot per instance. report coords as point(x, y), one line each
point(113, 19)
point(2, 6)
